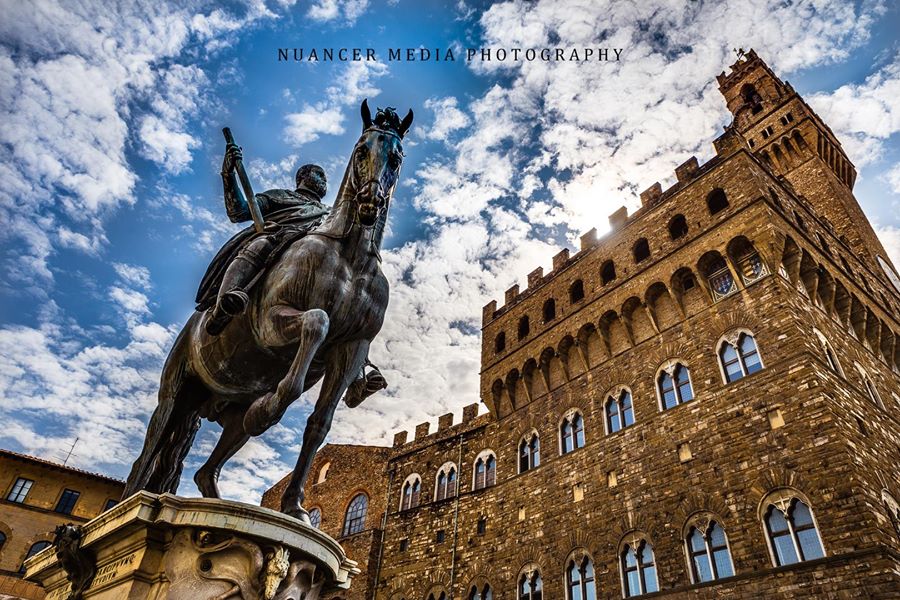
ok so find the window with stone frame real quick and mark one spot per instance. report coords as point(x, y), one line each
point(438, 595)
point(709, 556)
point(34, 549)
point(576, 291)
point(529, 452)
point(830, 356)
point(480, 592)
point(411, 492)
point(485, 471)
point(20, 490)
point(892, 507)
point(446, 482)
point(571, 432)
point(580, 581)
point(869, 387)
point(355, 519)
point(531, 586)
point(716, 201)
point(315, 517)
point(638, 566)
point(739, 355)
point(674, 385)
point(619, 411)
point(607, 272)
point(791, 530)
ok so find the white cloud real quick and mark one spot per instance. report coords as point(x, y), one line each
point(892, 177)
point(864, 115)
point(890, 239)
point(307, 125)
point(133, 275)
point(332, 10)
point(447, 117)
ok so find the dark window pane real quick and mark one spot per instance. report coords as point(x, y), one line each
point(684, 384)
point(612, 415)
point(67, 501)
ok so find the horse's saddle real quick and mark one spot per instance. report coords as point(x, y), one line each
point(284, 226)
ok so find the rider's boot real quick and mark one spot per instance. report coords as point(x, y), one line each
point(232, 299)
point(365, 385)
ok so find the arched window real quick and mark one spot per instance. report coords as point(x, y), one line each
point(619, 411)
point(607, 272)
point(739, 357)
point(442, 595)
point(675, 386)
point(791, 530)
point(481, 593)
point(571, 433)
point(529, 452)
point(323, 472)
point(355, 520)
point(716, 201)
point(708, 550)
point(638, 569)
point(678, 227)
point(641, 250)
point(411, 492)
point(315, 517)
point(531, 587)
point(35, 548)
point(485, 470)
point(869, 387)
point(524, 327)
point(2, 540)
point(445, 485)
point(500, 342)
point(549, 310)
point(576, 291)
point(830, 356)
point(580, 580)
point(890, 505)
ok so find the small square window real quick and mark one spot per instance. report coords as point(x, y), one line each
point(67, 501)
point(439, 538)
point(404, 544)
point(20, 490)
point(109, 504)
point(482, 525)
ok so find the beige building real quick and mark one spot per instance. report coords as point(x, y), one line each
point(38, 495)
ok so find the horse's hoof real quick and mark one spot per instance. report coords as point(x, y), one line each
point(206, 484)
point(260, 416)
point(298, 512)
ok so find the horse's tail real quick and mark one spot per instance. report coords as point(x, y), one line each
point(173, 425)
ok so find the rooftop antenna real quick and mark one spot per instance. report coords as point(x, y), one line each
point(69, 455)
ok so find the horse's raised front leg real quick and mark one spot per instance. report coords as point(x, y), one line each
point(232, 439)
point(342, 366)
point(289, 326)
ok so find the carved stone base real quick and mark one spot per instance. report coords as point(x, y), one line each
point(164, 546)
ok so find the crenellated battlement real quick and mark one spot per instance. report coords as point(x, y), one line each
point(446, 428)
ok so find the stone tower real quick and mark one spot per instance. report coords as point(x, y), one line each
point(704, 403)
point(785, 132)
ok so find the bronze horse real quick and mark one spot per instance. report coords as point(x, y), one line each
point(311, 317)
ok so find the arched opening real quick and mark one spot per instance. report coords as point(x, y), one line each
point(641, 250)
point(716, 201)
point(576, 291)
point(500, 342)
point(524, 327)
point(678, 227)
point(549, 311)
point(751, 98)
point(607, 272)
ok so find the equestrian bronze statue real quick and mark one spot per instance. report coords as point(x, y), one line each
point(293, 300)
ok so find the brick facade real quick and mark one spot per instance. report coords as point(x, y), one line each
point(771, 243)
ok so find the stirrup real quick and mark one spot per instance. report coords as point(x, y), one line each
point(234, 302)
point(217, 321)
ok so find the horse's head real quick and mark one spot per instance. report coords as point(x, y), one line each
point(376, 161)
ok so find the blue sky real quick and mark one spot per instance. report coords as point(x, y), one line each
point(112, 206)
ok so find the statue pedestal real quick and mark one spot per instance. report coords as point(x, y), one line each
point(164, 546)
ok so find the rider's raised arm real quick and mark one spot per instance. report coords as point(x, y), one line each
point(235, 203)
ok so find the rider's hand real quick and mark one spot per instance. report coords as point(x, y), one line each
point(232, 156)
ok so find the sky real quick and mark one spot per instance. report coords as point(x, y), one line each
point(111, 199)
